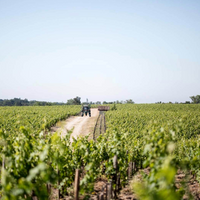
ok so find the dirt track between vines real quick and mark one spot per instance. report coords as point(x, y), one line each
point(82, 126)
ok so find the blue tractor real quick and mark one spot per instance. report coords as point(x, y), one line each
point(86, 110)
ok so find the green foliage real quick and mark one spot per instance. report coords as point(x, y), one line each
point(165, 137)
point(25, 102)
point(114, 107)
point(74, 101)
point(31, 155)
point(195, 99)
point(129, 101)
point(161, 137)
point(160, 182)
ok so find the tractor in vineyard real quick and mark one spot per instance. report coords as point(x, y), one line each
point(86, 110)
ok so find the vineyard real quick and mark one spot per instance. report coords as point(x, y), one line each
point(155, 142)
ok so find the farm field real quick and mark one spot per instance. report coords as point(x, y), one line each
point(34, 118)
point(162, 139)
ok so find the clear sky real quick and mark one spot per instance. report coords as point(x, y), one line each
point(109, 50)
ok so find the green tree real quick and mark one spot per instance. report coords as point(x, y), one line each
point(195, 99)
point(130, 101)
point(77, 100)
point(74, 101)
point(70, 102)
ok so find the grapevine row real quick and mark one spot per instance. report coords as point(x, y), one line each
point(163, 138)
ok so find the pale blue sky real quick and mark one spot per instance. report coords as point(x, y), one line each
point(110, 50)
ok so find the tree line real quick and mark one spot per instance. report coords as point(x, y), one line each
point(75, 101)
point(26, 102)
point(195, 100)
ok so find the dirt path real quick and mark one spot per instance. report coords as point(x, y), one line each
point(79, 125)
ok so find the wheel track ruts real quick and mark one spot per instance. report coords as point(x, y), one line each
point(100, 126)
